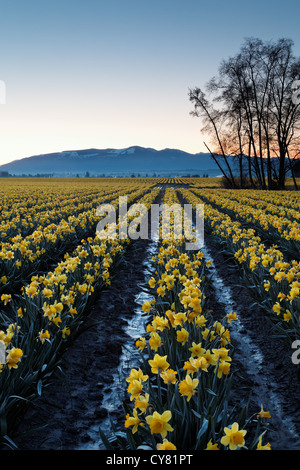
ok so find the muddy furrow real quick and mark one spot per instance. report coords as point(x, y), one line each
point(86, 388)
point(263, 362)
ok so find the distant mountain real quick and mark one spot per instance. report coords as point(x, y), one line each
point(115, 162)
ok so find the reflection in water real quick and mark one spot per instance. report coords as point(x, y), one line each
point(129, 358)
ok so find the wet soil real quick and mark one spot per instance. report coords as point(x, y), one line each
point(70, 411)
point(72, 408)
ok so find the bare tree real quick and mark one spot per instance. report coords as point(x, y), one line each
point(251, 101)
point(212, 119)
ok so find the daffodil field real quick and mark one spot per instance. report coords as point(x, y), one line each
point(53, 267)
point(43, 309)
point(265, 246)
point(180, 393)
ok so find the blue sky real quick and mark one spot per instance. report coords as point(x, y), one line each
point(116, 73)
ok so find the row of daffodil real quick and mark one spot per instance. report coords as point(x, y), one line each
point(28, 203)
point(36, 211)
point(273, 281)
point(38, 324)
point(282, 202)
point(174, 180)
point(204, 182)
point(275, 223)
point(179, 394)
point(41, 204)
point(22, 257)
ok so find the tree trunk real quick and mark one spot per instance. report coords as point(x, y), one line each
point(231, 182)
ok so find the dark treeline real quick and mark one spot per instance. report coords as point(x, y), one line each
point(251, 111)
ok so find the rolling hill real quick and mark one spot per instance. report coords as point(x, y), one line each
point(114, 162)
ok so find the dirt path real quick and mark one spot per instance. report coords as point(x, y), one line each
point(262, 361)
point(70, 411)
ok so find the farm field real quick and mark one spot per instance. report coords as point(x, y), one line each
point(142, 343)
